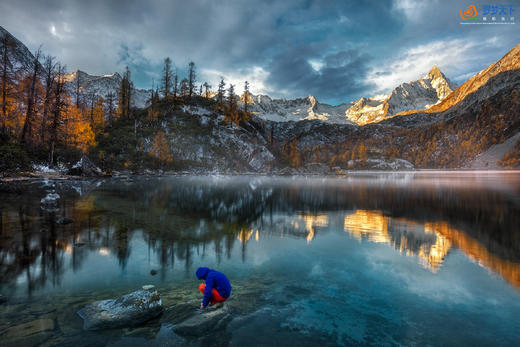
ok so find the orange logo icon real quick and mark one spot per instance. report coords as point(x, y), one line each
point(469, 13)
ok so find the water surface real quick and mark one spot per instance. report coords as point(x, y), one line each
point(372, 258)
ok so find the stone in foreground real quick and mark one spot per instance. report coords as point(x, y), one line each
point(201, 323)
point(129, 310)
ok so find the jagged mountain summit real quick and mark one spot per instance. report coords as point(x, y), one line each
point(416, 95)
point(501, 77)
point(509, 63)
point(102, 85)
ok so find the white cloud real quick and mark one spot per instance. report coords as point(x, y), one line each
point(316, 64)
point(412, 9)
point(455, 57)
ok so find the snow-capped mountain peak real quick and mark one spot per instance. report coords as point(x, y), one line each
point(102, 85)
point(416, 95)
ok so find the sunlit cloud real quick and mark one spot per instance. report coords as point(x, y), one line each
point(450, 56)
point(256, 76)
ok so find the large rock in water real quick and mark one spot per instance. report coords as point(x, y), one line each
point(85, 167)
point(129, 310)
point(203, 322)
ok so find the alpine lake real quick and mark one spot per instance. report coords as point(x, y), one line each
point(370, 258)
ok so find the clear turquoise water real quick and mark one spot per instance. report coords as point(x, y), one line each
point(373, 259)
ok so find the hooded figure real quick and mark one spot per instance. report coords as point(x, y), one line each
point(217, 287)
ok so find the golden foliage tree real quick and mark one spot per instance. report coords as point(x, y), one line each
point(161, 149)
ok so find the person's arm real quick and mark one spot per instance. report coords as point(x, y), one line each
point(210, 282)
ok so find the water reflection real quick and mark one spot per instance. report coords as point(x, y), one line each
point(180, 217)
point(406, 236)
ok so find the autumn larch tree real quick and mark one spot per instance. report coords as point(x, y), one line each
point(49, 76)
point(175, 85)
point(246, 96)
point(161, 149)
point(184, 87)
point(125, 94)
point(110, 107)
point(6, 77)
point(191, 78)
point(220, 94)
point(58, 108)
point(231, 112)
point(206, 88)
point(77, 89)
point(362, 152)
point(231, 99)
point(31, 97)
point(167, 78)
point(152, 110)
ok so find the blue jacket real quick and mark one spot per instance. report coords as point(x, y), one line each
point(214, 279)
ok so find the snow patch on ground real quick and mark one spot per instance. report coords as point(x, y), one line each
point(43, 168)
point(200, 111)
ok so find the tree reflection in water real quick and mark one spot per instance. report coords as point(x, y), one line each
point(180, 216)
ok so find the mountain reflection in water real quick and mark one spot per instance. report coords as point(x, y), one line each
point(423, 217)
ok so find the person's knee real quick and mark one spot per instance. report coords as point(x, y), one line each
point(202, 287)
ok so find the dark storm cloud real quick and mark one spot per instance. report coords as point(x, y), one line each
point(329, 48)
point(341, 73)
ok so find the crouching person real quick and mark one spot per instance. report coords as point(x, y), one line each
point(216, 289)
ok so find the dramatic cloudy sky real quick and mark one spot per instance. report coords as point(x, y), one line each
point(335, 50)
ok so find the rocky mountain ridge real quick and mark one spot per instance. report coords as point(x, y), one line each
point(416, 95)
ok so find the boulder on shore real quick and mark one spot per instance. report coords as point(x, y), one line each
point(129, 310)
point(85, 167)
point(203, 322)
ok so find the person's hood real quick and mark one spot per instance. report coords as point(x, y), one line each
point(202, 272)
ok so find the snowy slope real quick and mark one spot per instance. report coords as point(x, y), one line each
point(282, 110)
point(19, 55)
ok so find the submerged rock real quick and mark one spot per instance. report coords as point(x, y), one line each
point(50, 202)
point(203, 322)
point(24, 330)
point(65, 220)
point(129, 310)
